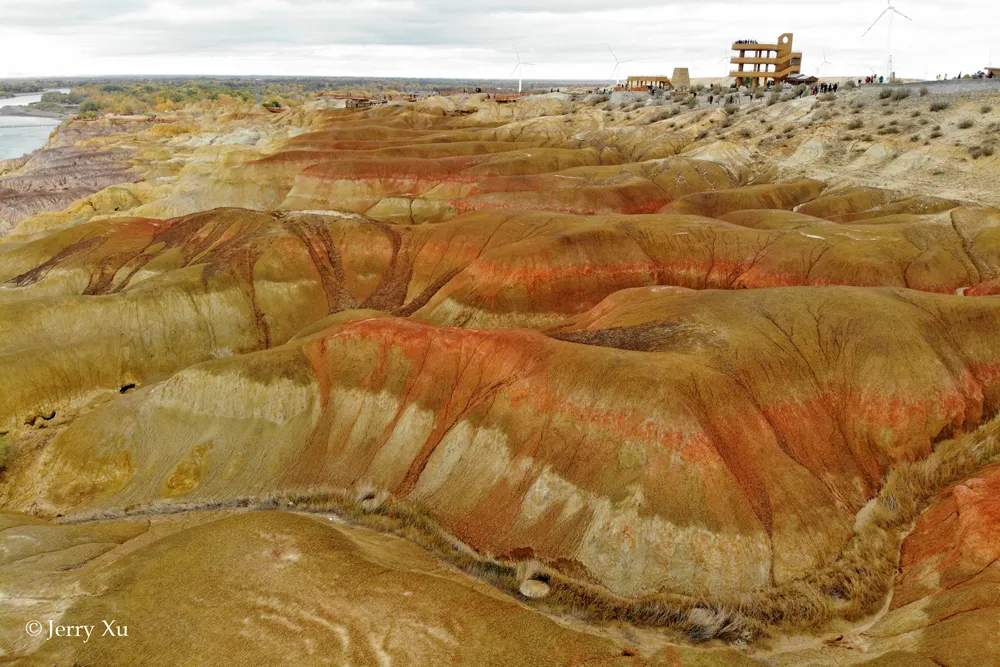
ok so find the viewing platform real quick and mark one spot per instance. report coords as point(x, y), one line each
point(758, 62)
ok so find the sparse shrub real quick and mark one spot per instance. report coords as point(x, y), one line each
point(6, 452)
point(731, 108)
point(940, 105)
point(855, 124)
point(746, 133)
point(885, 103)
point(773, 99)
point(885, 93)
point(986, 108)
point(915, 138)
point(988, 150)
point(900, 94)
point(966, 123)
point(868, 138)
point(89, 108)
point(662, 114)
point(850, 85)
point(935, 134)
point(827, 97)
point(976, 152)
point(758, 94)
point(915, 113)
point(856, 111)
point(923, 91)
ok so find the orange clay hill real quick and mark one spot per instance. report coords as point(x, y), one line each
point(547, 383)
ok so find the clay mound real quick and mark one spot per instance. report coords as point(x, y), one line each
point(785, 196)
point(676, 176)
point(54, 177)
point(630, 196)
point(944, 600)
point(374, 136)
point(846, 202)
point(232, 281)
point(771, 219)
point(423, 189)
point(908, 206)
point(718, 414)
point(544, 279)
point(269, 588)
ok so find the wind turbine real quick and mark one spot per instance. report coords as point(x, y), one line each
point(821, 70)
point(519, 68)
point(618, 63)
point(890, 10)
point(867, 67)
point(726, 58)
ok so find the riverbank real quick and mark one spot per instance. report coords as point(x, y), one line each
point(29, 112)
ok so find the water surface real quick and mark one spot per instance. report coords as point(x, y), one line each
point(23, 134)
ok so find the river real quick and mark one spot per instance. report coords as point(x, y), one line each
point(23, 134)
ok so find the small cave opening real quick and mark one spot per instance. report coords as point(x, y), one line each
point(126, 388)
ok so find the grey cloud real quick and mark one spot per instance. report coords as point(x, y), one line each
point(547, 32)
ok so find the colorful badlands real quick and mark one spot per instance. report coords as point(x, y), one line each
point(453, 383)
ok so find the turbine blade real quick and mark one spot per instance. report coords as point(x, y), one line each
point(513, 70)
point(902, 14)
point(613, 54)
point(884, 12)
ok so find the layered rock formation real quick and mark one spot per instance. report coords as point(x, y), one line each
point(629, 390)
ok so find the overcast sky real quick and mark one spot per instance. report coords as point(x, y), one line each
point(474, 38)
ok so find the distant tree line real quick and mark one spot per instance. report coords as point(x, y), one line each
point(152, 94)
